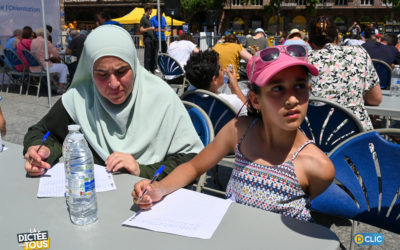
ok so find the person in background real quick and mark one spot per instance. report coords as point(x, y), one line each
point(25, 43)
point(12, 43)
point(162, 28)
point(180, 50)
point(230, 52)
point(278, 169)
point(104, 19)
point(398, 42)
point(383, 49)
point(296, 37)
point(346, 73)
point(75, 48)
point(257, 42)
point(355, 30)
point(203, 71)
point(131, 119)
point(49, 29)
point(149, 40)
point(38, 51)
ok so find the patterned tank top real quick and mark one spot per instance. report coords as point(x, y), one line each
point(271, 188)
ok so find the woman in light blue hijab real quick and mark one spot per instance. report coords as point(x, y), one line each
point(131, 119)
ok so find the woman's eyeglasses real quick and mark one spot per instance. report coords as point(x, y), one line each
point(271, 54)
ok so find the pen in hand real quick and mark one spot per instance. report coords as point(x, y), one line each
point(156, 174)
point(43, 140)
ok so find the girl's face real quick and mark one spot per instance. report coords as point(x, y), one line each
point(283, 101)
point(113, 78)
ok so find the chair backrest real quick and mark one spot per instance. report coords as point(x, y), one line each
point(384, 72)
point(328, 123)
point(12, 58)
point(169, 66)
point(30, 58)
point(368, 174)
point(219, 110)
point(201, 122)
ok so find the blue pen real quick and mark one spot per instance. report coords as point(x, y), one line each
point(43, 140)
point(156, 174)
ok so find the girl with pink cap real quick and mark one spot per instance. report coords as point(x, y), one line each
point(277, 168)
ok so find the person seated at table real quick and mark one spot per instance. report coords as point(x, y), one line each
point(75, 48)
point(3, 129)
point(230, 52)
point(132, 120)
point(346, 73)
point(203, 71)
point(24, 43)
point(257, 42)
point(297, 36)
point(180, 50)
point(277, 168)
point(38, 51)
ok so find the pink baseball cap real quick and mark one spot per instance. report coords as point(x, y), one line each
point(268, 62)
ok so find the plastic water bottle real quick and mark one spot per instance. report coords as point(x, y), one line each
point(72, 129)
point(395, 82)
point(1, 144)
point(224, 88)
point(82, 195)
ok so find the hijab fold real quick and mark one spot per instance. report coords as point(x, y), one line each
point(150, 124)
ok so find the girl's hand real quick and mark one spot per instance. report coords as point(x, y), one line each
point(118, 160)
point(35, 164)
point(233, 83)
point(154, 193)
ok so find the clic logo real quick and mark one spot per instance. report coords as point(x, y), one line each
point(368, 239)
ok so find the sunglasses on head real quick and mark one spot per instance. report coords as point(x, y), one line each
point(271, 54)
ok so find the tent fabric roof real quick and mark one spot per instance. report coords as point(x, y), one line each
point(136, 14)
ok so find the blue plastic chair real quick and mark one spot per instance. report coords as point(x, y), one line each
point(16, 77)
point(38, 74)
point(204, 129)
point(328, 123)
point(384, 73)
point(368, 177)
point(219, 110)
point(170, 67)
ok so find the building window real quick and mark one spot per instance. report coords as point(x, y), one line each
point(257, 2)
point(367, 2)
point(238, 25)
point(236, 2)
point(300, 2)
point(340, 2)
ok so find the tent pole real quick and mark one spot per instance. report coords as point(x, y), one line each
point(46, 53)
point(159, 26)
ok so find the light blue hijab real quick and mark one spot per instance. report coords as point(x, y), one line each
point(150, 124)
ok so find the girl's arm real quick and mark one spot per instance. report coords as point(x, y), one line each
point(189, 171)
point(319, 171)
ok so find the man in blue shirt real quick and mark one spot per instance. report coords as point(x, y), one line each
point(154, 23)
point(103, 18)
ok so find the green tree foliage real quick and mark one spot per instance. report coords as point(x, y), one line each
point(198, 5)
point(395, 4)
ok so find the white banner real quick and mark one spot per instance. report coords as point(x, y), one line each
point(15, 14)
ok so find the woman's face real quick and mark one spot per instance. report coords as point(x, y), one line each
point(284, 100)
point(113, 78)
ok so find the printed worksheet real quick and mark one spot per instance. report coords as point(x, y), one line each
point(184, 212)
point(52, 183)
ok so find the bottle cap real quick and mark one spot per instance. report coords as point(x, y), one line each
point(77, 137)
point(74, 127)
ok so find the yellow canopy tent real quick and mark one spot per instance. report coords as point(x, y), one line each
point(136, 14)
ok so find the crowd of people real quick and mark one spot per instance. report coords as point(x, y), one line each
point(134, 122)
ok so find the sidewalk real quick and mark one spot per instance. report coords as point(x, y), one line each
point(21, 112)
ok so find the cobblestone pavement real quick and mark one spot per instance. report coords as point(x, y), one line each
point(21, 111)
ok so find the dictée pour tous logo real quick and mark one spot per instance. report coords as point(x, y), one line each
point(34, 240)
point(368, 239)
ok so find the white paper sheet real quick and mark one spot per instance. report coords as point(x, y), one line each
point(52, 183)
point(183, 212)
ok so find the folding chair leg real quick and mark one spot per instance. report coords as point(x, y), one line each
point(354, 227)
point(38, 88)
point(22, 84)
point(201, 182)
point(29, 84)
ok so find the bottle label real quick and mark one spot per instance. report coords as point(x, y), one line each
point(81, 184)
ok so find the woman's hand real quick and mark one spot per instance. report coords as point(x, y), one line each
point(233, 83)
point(118, 160)
point(154, 193)
point(35, 164)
